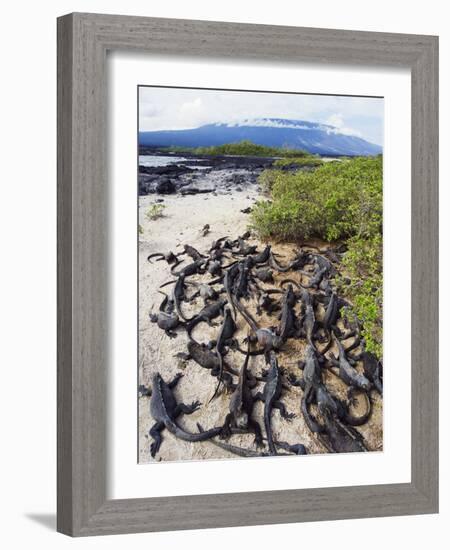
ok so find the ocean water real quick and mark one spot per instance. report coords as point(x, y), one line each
point(159, 160)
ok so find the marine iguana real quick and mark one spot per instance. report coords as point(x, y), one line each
point(206, 315)
point(246, 235)
point(330, 405)
point(228, 282)
point(270, 396)
point(244, 248)
point(312, 380)
point(309, 323)
point(306, 297)
point(215, 245)
point(214, 267)
point(165, 410)
point(316, 279)
point(166, 319)
point(178, 295)
point(226, 333)
point(324, 263)
point(371, 367)
point(296, 449)
point(288, 320)
point(169, 257)
point(166, 322)
point(343, 439)
point(218, 254)
point(263, 256)
point(205, 291)
point(207, 359)
point(191, 269)
point(266, 303)
point(332, 312)
point(241, 282)
point(310, 383)
point(347, 373)
point(193, 252)
point(265, 337)
point(264, 274)
point(296, 264)
point(241, 407)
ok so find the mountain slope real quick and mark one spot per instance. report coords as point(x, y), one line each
point(274, 132)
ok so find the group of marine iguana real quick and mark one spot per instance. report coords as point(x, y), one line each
point(233, 272)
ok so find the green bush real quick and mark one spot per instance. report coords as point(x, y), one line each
point(339, 201)
point(335, 201)
point(298, 162)
point(363, 263)
point(248, 148)
point(155, 211)
point(242, 148)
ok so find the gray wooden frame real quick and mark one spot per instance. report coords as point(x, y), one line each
point(83, 41)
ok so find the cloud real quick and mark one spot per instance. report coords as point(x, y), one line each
point(149, 110)
point(191, 107)
point(337, 120)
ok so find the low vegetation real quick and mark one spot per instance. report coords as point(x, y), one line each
point(338, 201)
point(155, 211)
point(298, 162)
point(242, 148)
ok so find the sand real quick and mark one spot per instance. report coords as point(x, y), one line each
point(183, 220)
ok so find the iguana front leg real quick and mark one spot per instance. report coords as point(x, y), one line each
point(283, 412)
point(175, 381)
point(298, 382)
point(181, 408)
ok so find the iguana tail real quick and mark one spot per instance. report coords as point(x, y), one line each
point(188, 436)
point(378, 385)
point(168, 283)
point(275, 265)
point(159, 254)
point(292, 282)
point(219, 376)
point(272, 448)
point(239, 451)
point(247, 317)
point(359, 421)
point(312, 424)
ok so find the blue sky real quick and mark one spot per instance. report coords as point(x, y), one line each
point(177, 108)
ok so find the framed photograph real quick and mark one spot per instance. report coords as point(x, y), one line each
point(247, 274)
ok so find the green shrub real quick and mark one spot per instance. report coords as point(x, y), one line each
point(248, 148)
point(339, 201)
point(335, 201)
point(155, 211)
point(363, 264)
point(298, 162)
point(241, 148)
